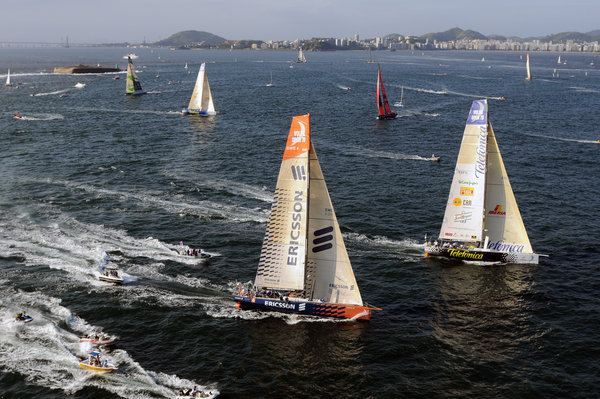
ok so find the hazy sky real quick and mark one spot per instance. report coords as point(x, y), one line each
point(104, 21)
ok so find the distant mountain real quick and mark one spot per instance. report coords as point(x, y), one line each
point(191, 38)
point(454, 34)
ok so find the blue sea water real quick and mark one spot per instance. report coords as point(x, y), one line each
point(90, 176)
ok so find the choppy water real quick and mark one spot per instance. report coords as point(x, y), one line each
point(89, 175)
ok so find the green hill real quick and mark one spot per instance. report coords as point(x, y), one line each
point(454, 34)
point(191, 38)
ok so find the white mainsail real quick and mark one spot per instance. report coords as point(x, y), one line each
point(329, 274)
point(528, 68)
point(301, 58)
point(8, 78)
point(463, 219)
point(503, 223)
point(283, 254)
point(201, 97)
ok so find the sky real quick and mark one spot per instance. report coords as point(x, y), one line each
point(111, 21)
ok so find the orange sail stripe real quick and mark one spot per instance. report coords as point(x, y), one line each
point(298, 141)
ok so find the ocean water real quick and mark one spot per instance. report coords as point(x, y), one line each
point(90, 176)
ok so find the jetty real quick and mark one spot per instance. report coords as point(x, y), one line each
point(84, 69)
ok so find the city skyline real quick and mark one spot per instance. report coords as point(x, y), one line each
point(153, 20)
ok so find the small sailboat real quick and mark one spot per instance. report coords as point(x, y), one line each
point(558, 61)
point(482, 59)
point(201, 102)
point(400, 104)
point(482, 222)
point(271, 84)
point(301, 58)
point(304, 266)
point(528, 78)
point(95, 363)
point(8, 78)
point(385, 111)
point(371, 60)
point(133, 86)
point(186, 66)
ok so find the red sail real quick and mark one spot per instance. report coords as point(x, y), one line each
point(382, 101)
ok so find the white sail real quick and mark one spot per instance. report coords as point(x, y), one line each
point(201, 97)
point(132, 84)
point(463, 219)
point(283, 254)
point(503, 223)
point(301, 58)
point(8, 77)
point(528, 68)
point(329, 274)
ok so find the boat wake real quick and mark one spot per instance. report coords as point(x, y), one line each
point(128, 111)
point(202, 209)
point(42, 117)
point(51, 93)
point(562, 139)
point(46, 352)
point(584, 89)
point(457, 93)
point(382, 154)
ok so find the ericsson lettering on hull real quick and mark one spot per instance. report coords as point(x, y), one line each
point(281, 305)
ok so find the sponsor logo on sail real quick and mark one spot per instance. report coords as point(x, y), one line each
point(299, 135)
point(292, 259)
point(467, 182)
point(282, 305)
point(467, 202)
point(457, 201)
point(323, 239)
point(502, 246)
point(298, 172)
point(497, 211)
point(463, 217)
point(481, 153)
point(478, 113)
point(466, 191)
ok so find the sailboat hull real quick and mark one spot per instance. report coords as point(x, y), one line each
point(135, 93)
point(478, 255)
point(387, 116)
point(196, 112)
point(309, 308)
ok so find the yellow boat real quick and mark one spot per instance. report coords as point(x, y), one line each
point(95, 364)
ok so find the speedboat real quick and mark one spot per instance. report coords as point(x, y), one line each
point(23, 318)
point(434, 158)
point(198, 253)
point(98, 339)
point(94, 363)
point(17, 116)
point(111, 275)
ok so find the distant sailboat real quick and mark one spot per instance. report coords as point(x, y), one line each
point(400, 104)
point(382, 102)
point(8, 78)
point(133, 86)
point(304, 266)
point(528, 78)
point(301, 58)
point(201, 102)
point(271, 84)
point(371, 60)
point(185, 67)
point(558, 62)
point(482, 221)
point(482, 59)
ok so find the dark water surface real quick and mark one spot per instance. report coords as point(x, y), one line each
point(90, 175)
